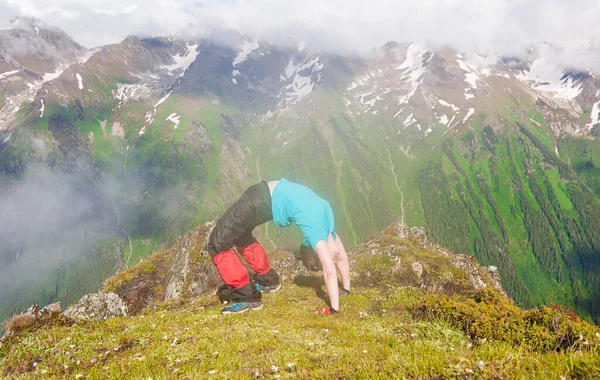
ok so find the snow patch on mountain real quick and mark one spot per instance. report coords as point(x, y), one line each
point(151, 115)
point(9, 73)
point(469, 114)
point(79, 81)
point(409, 120)
point(42, 109)
point(304, 76)
point(47, 77)
point(443, 119)
point(471, 76)
point(413, 68)
point(174, 118)
point(183, 62)
point(445, 103)
point(595, 115)
point(467, 95)
point(247, 48)
point(547, 77)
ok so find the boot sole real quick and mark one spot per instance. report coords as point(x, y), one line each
point(272, 290)
point(242, 311)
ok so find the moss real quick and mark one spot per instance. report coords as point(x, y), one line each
point(491, 317)
point(143, 283)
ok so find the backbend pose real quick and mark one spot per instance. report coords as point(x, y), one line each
point(285, 203)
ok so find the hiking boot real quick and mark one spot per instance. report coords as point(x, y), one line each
point(242, 307)
point(267, 289)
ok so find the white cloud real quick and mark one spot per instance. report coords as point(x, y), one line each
point(507, 26)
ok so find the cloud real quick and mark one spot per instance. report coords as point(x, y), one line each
point(505, 26)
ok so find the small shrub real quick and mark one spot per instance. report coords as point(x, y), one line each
point(490, 316)
point(18, 323)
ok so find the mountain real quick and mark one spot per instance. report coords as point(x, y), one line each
point(495, 155)
point(415, 310)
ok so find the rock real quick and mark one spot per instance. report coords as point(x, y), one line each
point(35, 311)
point(434, 268)
point(191, 272)
point(100, 306)
point(417, 267)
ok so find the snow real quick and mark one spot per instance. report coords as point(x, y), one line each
point(369, 104)
point(301, 85)
point(409, 120)
point(443, 119)
point(413, 68)
point(163, 99)
point(183, 62)
point(445, 103)
point(469, 114)
point(235, 73)
point(142, 131)
point(463, 66)
point(247, 48)
point(595, 115)
point(42, 109)
point(234, 80)
point(4, 75)
point(37, 30)
point(47, 77)
point(471, 78)
point(467, 95)
point(150, 115)
point(6, 139)
point(175, 119)
point(547, 77)
point(80, 81)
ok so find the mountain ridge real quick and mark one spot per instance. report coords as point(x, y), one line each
point(408, 295)
point(173, 140)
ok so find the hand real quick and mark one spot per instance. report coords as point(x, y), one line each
point(344, 292)
point(326, 311)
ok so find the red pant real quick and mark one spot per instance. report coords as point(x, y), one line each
point(231, 269)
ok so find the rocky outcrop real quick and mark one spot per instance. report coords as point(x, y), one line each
point(100, 306)
point(191, 272)
point(406, 257)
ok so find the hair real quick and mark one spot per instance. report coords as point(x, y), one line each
point(309, 258)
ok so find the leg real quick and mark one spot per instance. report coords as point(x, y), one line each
point(235, 276)
point(257, 258)
point(252, 208)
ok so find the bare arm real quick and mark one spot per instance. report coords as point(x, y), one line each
point(329, 273)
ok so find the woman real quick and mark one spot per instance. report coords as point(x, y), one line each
point(285, 203)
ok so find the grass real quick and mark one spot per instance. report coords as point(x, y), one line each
point(375, 336)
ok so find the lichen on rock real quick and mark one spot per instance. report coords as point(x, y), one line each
point(100, 306)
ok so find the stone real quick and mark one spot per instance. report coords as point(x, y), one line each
point(100, 306)
point(417, 267)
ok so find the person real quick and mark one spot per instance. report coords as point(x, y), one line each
point(285, 203)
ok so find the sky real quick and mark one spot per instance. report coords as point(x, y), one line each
point(505, 26)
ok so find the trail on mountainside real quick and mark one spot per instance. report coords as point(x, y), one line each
point(338, 166)
point(258, 179)
point(395, 178)
point(112, 198)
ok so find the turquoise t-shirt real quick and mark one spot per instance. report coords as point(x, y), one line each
point(294, 203)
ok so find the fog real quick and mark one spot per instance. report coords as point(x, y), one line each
point(490, 26)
